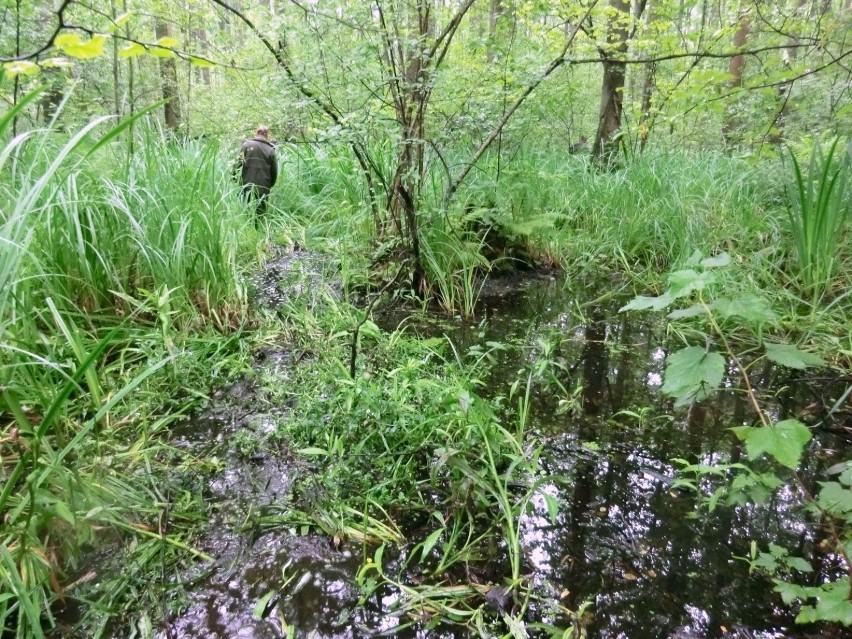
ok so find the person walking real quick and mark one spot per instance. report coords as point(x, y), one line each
point(259, 168)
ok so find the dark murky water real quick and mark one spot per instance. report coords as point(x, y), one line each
point(652, 565)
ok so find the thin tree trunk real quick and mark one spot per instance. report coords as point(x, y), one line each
point(169, 81)
point(735, 70)
point(17, 85)
point(411, 101)
point(116, 71)
point(612, 87)
point(495, 12)
point(203, 72)
point(648, 83)
point(789, 59)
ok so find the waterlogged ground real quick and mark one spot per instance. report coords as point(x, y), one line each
point(625, 539)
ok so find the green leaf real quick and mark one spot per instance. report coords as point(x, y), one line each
point(72, 45)
point(751, 308)
point(64, 512)
point(722, 259)
point(683, 282)
point(167, 42)
point(131, 50)
point(695, 310)
point(785, 441)
point(195, 61)
point(641, 303)
point(694, 259)
point(789, 592)
point(835, 498)
point(259, 611)
point(20, 67)
point(552, 507)
point(429, 543)
point(692, 374)
point(797, 563)
point(832, 604)
point(120, 21)
point(791, 357)
point(313, 451)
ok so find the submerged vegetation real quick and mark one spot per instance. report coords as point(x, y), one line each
point(514, 385)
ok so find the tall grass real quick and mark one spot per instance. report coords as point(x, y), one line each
point(107, 263)
point(818, 209)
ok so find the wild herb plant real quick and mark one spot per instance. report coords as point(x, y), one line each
point(104, 275)
point(695, 372)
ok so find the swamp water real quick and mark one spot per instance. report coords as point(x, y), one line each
point(651, 563)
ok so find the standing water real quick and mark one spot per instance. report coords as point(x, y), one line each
point(628, 546)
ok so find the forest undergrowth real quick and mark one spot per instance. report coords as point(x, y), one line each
point(124, 301)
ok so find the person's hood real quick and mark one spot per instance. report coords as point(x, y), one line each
point(258, 138)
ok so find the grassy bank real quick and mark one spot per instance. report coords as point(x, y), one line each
point(122, 303)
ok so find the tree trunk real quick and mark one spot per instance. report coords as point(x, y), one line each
point(52, 98)
point(17, 83)
point(648, 83)
point(169, 81)
point(411, 96)
point(612, 87)
point(735, 70)
point(789, 59)
point(116, 70)
point(203, 72)
point(495, 11)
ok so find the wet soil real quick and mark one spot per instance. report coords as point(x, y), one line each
point(652, 564)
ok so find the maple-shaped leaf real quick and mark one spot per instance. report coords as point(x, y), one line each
point(692, 373)
point(785, 441)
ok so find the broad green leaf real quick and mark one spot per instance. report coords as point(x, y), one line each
point(164, 48)
point(692, 374)
point(120, 21)
point(160, 52)
point(684, 282)
point(131, 50)
point(20, 67)
point(695, 310)
point(694, 259)
point(832, 604)
point(201, 62)
point(167, 42)
point(785, 441)
point(789, 592)
point(722, 259)
point(552, 507)
point(748, 307)
point(791, 357)
point(72, 45)
point(641, 303)
point(797, 563)
point(835, 498)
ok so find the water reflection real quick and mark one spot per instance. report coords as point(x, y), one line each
point(651, 563)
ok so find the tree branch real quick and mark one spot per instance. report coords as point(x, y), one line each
point(453, 186)
point(60, 24)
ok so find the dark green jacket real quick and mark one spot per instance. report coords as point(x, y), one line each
point(259, 164)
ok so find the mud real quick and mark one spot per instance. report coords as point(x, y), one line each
point(650, 562)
